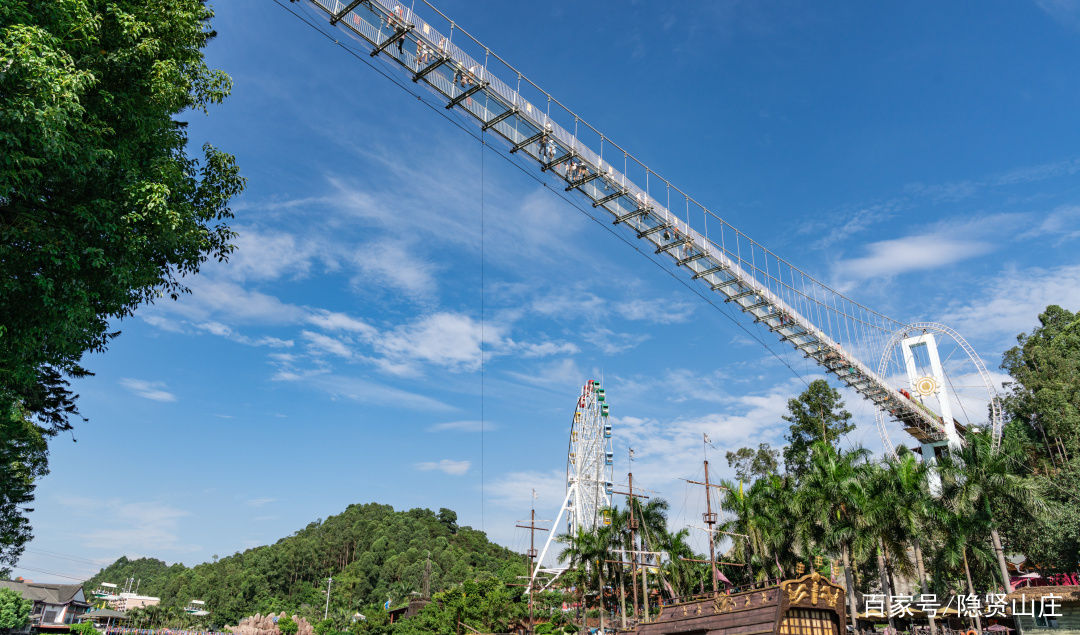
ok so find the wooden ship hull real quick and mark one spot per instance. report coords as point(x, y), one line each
point(810, 605)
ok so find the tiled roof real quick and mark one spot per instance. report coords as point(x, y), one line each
point(47, 593)
point(1069, 594)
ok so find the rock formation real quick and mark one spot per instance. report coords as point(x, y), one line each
point(267, 625)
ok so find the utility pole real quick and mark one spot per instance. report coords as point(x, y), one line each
point(531, 553)
point(326, 613)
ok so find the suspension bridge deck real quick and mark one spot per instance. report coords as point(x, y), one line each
point(819, 322)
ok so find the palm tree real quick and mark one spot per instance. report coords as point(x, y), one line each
point(883, 523)
point(829, 503)
point(683, 575)
point(914, 505)
point(739, 522)
point(770, 501)
point(573, 555)
point(620, 540)
point(956, 542)
point(401, 591)
point(588, 552)
point(977, 474)
point(653, 526)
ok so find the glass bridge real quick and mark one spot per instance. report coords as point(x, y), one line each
point(837, 333)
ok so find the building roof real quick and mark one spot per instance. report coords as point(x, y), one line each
point(40, 592)
point(1069, 594)
point(106, 613)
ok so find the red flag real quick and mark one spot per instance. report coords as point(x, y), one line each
point(720, 576)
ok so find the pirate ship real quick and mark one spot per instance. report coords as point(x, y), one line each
point(810, 605)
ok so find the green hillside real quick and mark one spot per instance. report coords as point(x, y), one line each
point(372, 551)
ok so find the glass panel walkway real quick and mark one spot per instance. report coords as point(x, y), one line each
point(839, 334)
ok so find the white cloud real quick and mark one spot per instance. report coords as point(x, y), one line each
point(364, 391)
point(450, 340)
point(260, 502)
point(270, 255)
point(949, 192)
point(132, 528)
point(514, 490)
point(680, 385)
point(1063, 223)
point(162, 322)
point(445, 339)
point(394, 264)
point(856, 222)
point(562, 374)
point(332, 321)
point(222, 330)
point(889, 258)
point(446, 466)
point(579, 304)
point(441, 204)
point(611, 343)
point(153, 390)
point(215, 328)
point(220, 300)
point(1010, 302)
point(840, 225)
point(463, 426)
point(1066, 167)
point(327, 344)
point(655, 311)
point(547, 349)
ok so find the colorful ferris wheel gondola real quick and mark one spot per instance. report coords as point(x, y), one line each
point(590, 460)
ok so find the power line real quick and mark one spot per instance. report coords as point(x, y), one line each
point(53, 554)
point(59, 575)
point(483, 151)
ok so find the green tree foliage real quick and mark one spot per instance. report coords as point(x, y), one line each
point(1051, 538)
point(23, 459)
point(371, 551)
point(287, 626)
point(750, 464)
point(817, 414)
point(84, 628)
point(151, 574)
point(979, 480)
point(14, 610)
point(879, 520)
point(101, 208)
point(1044, 405)
point(828, 502)
point(488, 605)
point(448, 517)
point(1045, 367)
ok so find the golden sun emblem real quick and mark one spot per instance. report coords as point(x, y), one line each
point(926, 386)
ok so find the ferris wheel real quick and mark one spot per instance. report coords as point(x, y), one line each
point(589, 473)
point(955, 389)
point(589, 461)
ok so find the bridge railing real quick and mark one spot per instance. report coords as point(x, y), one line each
point(840, 334)
point(859, 329)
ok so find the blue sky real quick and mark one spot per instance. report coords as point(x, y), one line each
point(923, 158)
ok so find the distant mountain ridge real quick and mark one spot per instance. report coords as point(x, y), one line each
point(372, 551)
